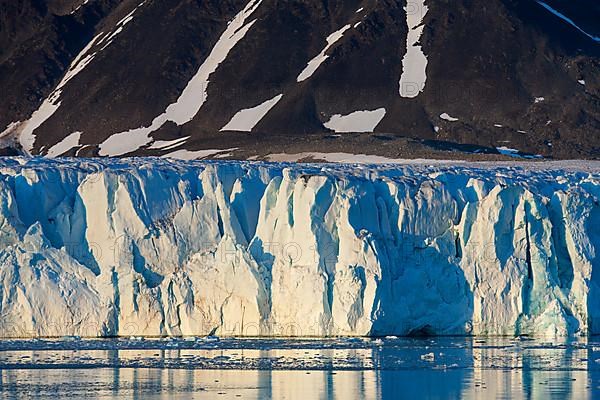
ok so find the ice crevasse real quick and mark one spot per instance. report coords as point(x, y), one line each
point(149, 247)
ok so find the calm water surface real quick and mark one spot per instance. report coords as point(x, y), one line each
point(391, 368)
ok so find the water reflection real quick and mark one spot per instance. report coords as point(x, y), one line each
point(342, 369)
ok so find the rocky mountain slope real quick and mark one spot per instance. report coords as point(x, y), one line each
point(259, 77)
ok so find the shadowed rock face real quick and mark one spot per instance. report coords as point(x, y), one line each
point(518, 74)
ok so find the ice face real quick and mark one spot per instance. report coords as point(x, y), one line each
point(161, 247)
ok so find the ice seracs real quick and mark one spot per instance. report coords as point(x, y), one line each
point(156, 247)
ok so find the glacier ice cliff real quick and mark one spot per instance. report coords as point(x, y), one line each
point(161, 247)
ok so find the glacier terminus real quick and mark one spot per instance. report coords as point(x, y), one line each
point(158, 247)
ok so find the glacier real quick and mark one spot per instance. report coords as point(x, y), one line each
point(159, 247)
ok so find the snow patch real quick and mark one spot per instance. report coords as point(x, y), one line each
point(65, 145)
point(447, 117)
point(246, 120)
point(414, 63)
point(165, 144)
point(10, 129)
point(314, 64)
point(50, 105)
point(195, 155)
point(110, 37)
point(345, 158)
point(79, 6)
point(358, 121)
point(9, 136)
point(193, 96)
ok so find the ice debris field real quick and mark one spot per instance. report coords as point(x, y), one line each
point(151, 247)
